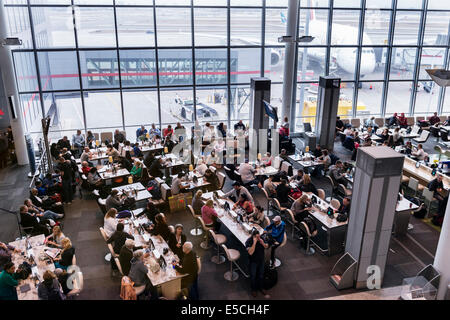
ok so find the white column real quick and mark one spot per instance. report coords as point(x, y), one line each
point(442, 258)
point(289, 61)
point(9, 82)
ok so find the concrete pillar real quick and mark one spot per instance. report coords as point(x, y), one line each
point(375, 191)
point(326, 110)
point(10, 90)
point(442, 258)
point(289, 62)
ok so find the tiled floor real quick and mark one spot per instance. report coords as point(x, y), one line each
point(299, 277)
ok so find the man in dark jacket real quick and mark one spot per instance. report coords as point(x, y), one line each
point(125, 256)
point(437, 187)
point(118, 238)
point(189, 266)
point(29, 221)
point(156, 167)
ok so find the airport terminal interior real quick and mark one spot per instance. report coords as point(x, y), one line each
point(224, 149)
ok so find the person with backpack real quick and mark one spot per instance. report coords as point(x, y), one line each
point(154, 189)
point(50, 289)
point(255, 246)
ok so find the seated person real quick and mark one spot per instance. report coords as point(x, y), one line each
point(300, 208)
point(126, 162)
point(201, 167)
point(110, 222)
point(298, 178)
point(244, 204)
point(337, 173)
point(212, 178)
point(118, 137)
point(371, 123)
point(55, 238)
point(276, 231)
point(345, 206)
point(339, 125)
point(307, 185)
point(270, 187)
point(419, 154)
point(51, 183)
point(177, 185)
point(126, 254)
point(384, 135)
point(94, 178)
point(209, 216)
point(168, 131)
point(86, 155)
point(112, 152)
point(247, 173)
point(66, 256)
point(176, 241)
point(156, 167)
point(283, 193)
point(393, 121)
point(160, 227)
point(63, 143)
point(325, 162)
point(39, 212)
point(46, 203)
point(434, 119)
point(136, 171)
point(141, 133)
point(49, 288)
point(85, 168)
point(118, 238)
point(266, 160)
point(8, 282)
point(137, 151)
point(257, 217)
point(28, 220)
point(139, 271)
point(317, 152)
point(402, 121)
point(197, 202)
point(437, 187)
point(6, 252)
point(234, 193)
point(397, 138)
point(115, 201)
point(150, 211)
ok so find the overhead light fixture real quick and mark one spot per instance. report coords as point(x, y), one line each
point(290, 39)
point(10, 42)
point(440, 76)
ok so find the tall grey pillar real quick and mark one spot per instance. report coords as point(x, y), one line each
point(289, 62)
point(259, 92)
point(375, 191)
point(326, 110)
point(10, 91)
point(442, 258)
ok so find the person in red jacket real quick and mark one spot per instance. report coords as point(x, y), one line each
point(168, 131)
point(402, 122)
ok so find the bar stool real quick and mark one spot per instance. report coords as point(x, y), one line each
point(232, 255)
point(219, 239)
point(196, 231)
point(205, 243)
point(105, 237)
point(266, 195)
point(305, 230)
point(278, 261)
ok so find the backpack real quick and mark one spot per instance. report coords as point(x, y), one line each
point(154, 189)
point(270, 277)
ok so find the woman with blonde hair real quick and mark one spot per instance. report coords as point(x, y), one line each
point(66, 255)
point(307, 185)
point(56, 237)
point(209, 215)
point(300, 207)
point(136, 171)
point(110, 222)
point(197, 202)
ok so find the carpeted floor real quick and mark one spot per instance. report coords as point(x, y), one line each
point(299, 277)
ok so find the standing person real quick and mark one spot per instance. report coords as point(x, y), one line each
point(90, 139)
point(8, 282)
point(276, 231)
point(255, 246)
point(66, 177)
point(197, 202)
point(189, 266)
point(177, 240)
point(78, 142)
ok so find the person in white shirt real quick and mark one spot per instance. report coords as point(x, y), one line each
point(78, 141)
point(85, 155)
point(201, 167)
point(177, 187)
point(247, 173)
point(419, 153)
point(110, 222)
point(219, 145)
point(208, 133)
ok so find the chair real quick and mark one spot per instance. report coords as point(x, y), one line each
point(356, 122)
point(266, 221)
point(405, 179)
point(77, 285)
point(414, 185)
point(232, 255)
point(285, 167)
point(291, 220)
point(335, 204)
point(119, 266)
point(165, 192)
point(105, 237)
point(439, 150)
point(106, 136)
point(344, 191)
point(197, 231)
point(277, 162)
point(305, 230)
point(379, 122)
point(410, 121)
point(238, 177)
point(219, 239)
point(276, 205)
point(428, 199)
point(333, 185)
point(321, 194)
point(102, 205)
point(221, 178)
point(423, 137)
point(205, 243)
point(278, 261)
point(266, 195)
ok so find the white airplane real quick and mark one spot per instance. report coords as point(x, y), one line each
point(342, 58)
